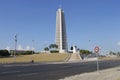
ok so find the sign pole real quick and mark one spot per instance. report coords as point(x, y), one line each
point(97, 63)
point(96, 49)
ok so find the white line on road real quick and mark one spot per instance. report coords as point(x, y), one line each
point(27, 74)
point(10, 72)
point(11, 65)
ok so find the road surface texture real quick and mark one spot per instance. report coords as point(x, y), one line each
point(50, 71)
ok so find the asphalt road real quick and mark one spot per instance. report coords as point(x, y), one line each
point(51, 71)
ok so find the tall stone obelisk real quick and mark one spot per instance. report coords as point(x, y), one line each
point(61, 37)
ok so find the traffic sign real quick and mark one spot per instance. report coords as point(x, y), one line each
point(96, 49)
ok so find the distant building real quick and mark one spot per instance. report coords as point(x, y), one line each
point(61, 37)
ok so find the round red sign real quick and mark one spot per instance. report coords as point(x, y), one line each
point(96, 49)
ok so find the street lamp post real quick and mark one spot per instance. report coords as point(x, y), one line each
point(32, 50)
point(45, 45)
point(32, 46)
point(15, 48)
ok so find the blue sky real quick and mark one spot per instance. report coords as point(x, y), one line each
point(88, 22)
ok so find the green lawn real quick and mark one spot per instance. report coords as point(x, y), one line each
point(36, 58)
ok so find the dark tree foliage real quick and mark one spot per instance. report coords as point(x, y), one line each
point(4, 53)
point(46, 49)
point(54, 51)
point(27, 53)
point(86, 52)
point(114, 53)
point(53, 46)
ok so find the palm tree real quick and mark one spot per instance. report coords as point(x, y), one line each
point(53, 46)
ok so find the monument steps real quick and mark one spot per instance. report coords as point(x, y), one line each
point(75, 57)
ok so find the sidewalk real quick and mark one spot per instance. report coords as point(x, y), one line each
point(108, 74)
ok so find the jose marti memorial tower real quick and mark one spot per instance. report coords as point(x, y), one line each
point(61, 37)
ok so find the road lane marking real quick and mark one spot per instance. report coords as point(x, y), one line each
point(10, 72)
point(28, 74)
point(14, 65)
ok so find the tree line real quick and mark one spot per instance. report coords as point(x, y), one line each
point(53, 48)
point(114, 53)
point(86, 52)
point(4, 53)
